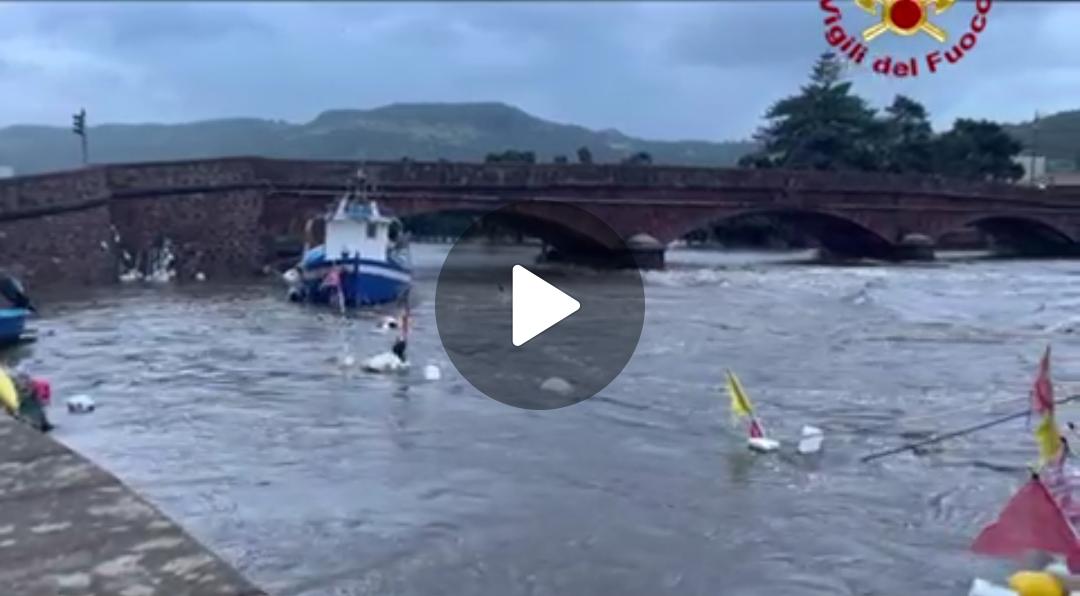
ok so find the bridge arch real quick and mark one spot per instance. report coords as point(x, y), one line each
point(556, 224)
point(837, 235)
point(1024, 235)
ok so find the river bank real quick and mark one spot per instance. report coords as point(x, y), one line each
point(67, 527)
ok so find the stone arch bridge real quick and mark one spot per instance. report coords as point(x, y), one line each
point(222, 213)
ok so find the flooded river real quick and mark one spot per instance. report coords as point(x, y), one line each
point(227, 407)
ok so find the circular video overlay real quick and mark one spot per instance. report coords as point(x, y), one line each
point(539, 332)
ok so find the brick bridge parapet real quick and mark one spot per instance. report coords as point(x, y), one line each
point(71, 226)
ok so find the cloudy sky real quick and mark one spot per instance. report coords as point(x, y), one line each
point(664, 70)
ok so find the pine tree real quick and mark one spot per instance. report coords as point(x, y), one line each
point(909, 137)
point(824, 127)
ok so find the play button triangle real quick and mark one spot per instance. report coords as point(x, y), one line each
point(537, 305)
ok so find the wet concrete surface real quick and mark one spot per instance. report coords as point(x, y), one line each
point(69, 527)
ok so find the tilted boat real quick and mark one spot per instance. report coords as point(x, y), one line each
point(12, 325)
point(13, 319)
point(363, 261)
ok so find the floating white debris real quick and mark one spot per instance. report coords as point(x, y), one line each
point(291, 277)
point(762, 444)
point(386, 362)
point(161, 276)
point(131, 276)
point(200, 276)
point(80, 404)
point(1058, 568)
point(557, 385)
point(981, 587)
point(387, 324)
point(432, 373)
point(811, 440)
point(104, 245)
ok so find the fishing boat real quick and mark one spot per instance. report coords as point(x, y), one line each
point(363, 260)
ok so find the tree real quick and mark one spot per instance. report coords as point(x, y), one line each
point(755, 160)
point(823, 127)
point(978, 150)
point(584, 155)
point(909, 139)
point(640, 158)
point(561, 159)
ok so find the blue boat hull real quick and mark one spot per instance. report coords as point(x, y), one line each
point(12, 324)
point(363, 283)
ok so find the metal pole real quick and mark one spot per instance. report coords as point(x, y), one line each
point(957, 433)
point(1034, 145)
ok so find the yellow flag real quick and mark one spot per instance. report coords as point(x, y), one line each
point(1049, 439)
point(740, 404)
point(9, 397)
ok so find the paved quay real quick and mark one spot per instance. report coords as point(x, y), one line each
point(67, 527)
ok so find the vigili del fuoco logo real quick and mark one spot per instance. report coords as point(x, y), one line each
point(906, 18)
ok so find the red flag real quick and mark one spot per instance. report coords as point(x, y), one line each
point(1031, 521)
point(756, 432)
point(332, 279)
point(1042, 394)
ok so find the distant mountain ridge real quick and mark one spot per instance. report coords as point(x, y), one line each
point(422, 131)
point(1057, 136)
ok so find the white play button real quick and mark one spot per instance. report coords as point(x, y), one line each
point(536, 305)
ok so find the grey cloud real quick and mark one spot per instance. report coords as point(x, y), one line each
point(666, 70)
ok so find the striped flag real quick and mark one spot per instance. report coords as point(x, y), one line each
point(1042, 394)
point(1047, 435)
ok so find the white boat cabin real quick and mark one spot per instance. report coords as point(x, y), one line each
point(358, 229)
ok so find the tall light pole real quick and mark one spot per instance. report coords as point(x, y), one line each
point(79, 127)
point(1034, 146)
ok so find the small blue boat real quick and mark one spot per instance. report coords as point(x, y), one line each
point(12, 325)
point(363, 261)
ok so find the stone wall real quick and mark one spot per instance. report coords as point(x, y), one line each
point(55, 228)
point(213, 232)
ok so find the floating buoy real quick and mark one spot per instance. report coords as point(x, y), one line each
point(432, 373)
point(810, 442)
point(387, 324)
point(291, 277)
point(386, 362)
point(80, 404)
point(557, 385)
point(762, 444)
point(200, 276)
point(42, 389)
point(981, 587)
point(348, 360)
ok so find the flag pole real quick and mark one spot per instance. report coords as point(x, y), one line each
point(957, 433)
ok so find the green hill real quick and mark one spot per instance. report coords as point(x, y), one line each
point(1056, 136)
point(463, 131)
